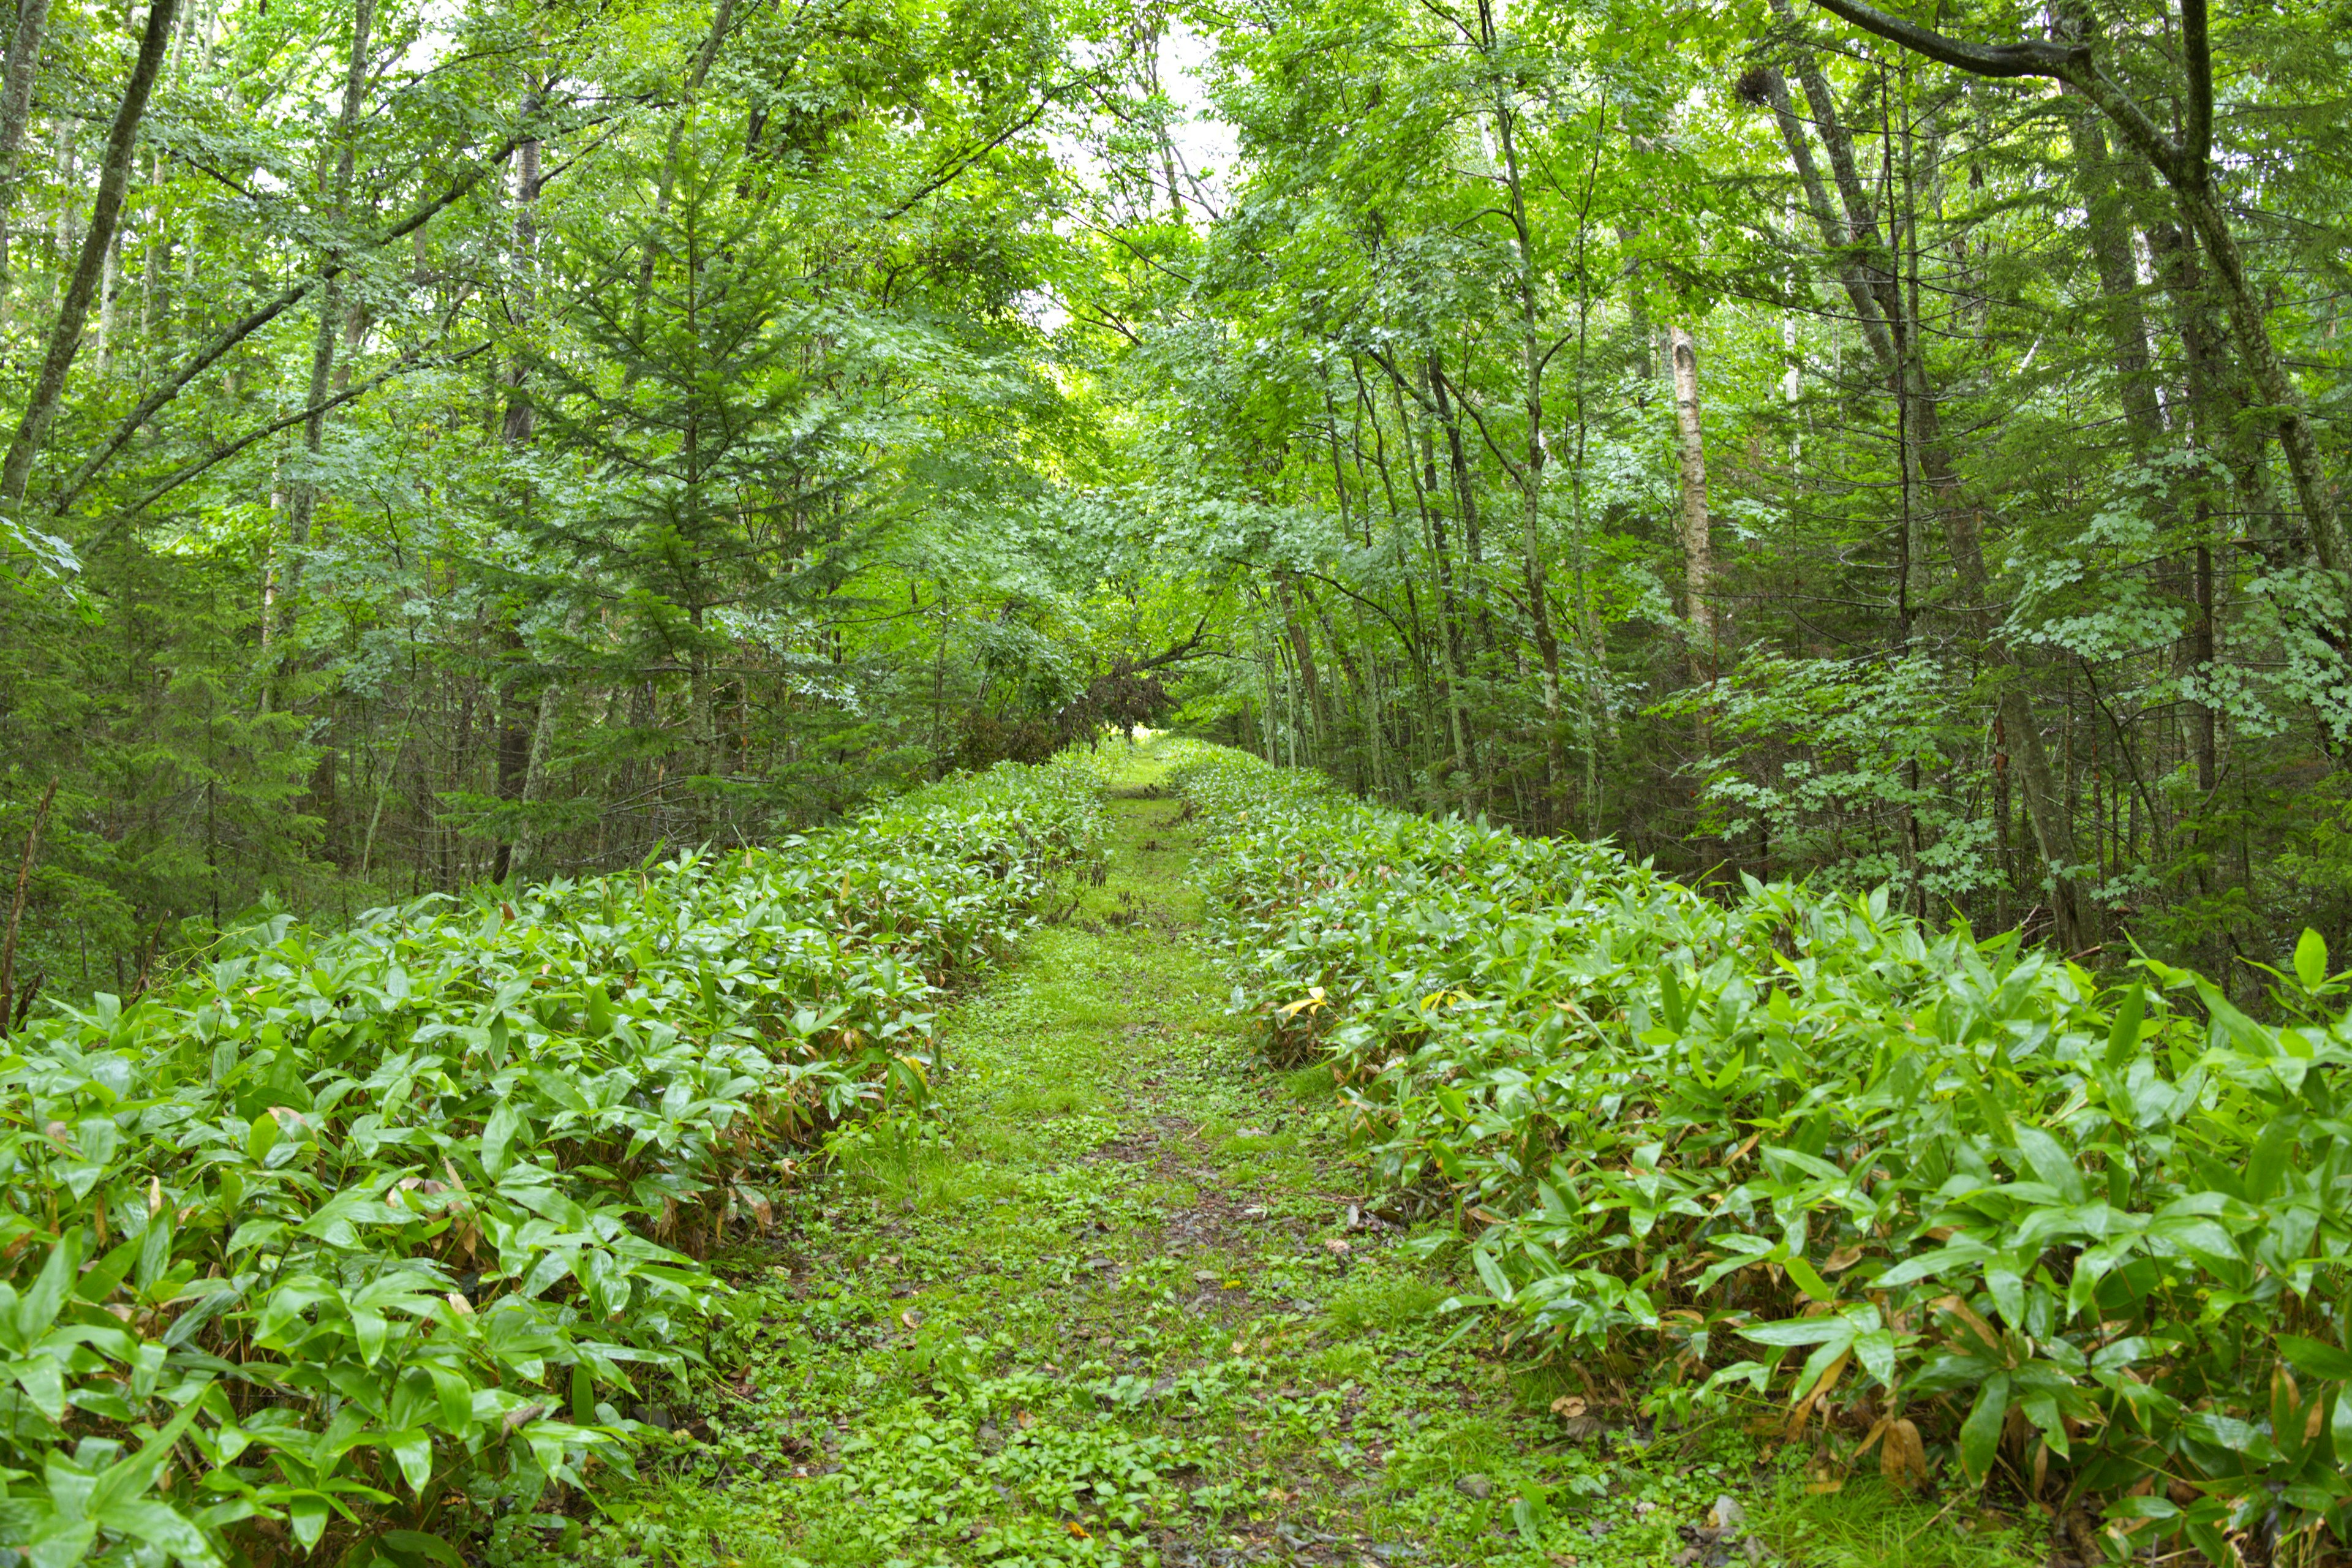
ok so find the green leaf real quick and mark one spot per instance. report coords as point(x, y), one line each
point(97, 1282)
point(44, 1383)
point(417, 1543)
point(61, 1542)
point(38, 1308)
point(1823, 1331)
point(2051, 1163)
point(1490, 1272)
point(2267, 1166)
point(159, 1525)
point(2311, 960)
point(455, 1398)
point(1981, 1433)
point(412, 1450)
point(261, 1138)
point(2317, 1358)
point(496, 1135)
point(2122, 1039)
point(1809, 1279)
point(307, 1515)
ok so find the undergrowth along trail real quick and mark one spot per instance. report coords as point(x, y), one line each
point(360, 1247)
point(1123, 1296)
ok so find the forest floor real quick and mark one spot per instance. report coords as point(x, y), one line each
point(1120, 1297)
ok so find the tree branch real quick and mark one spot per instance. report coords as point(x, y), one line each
point(220, 454)
point(2031, 58)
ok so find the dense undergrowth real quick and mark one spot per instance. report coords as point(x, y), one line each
point(1968, 1208)
point(358, 1240)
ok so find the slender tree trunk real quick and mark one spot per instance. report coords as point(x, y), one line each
point(2109, 232)
point(105, 217)
point(1466, 756)
point(16, 906)
point(523, 862)
point(1532, 356)
point(1698, 550)
point(1311, 681)
point(520, 714)
point(696, 73)
point(330, 311)
point(1871, 286)
point(15, 106)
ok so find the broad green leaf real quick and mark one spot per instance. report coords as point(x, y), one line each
point(417, 1543)
point(2122, 1039)
point(2317, 1357)
point(307, 1515)
point(2311, 960)
point(37, 1309)
point(412, 1450)
point(1981, 1433)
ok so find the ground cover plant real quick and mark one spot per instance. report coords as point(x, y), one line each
point(1971, 1212)
point(358, 1240)
point(1125, 1296)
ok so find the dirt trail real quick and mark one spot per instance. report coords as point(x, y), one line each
point(1119, 1300)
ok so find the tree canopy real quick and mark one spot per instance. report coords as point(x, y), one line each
point(1791, 438)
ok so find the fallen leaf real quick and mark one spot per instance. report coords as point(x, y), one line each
point(1844, 1258)
point(911, 1320)
point(1903, 1458)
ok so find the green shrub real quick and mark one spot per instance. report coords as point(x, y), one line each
point(354, 1238)
point(2091, 1239)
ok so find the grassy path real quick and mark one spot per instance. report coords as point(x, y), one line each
point(1119, 1302)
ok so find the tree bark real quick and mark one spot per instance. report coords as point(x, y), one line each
point(105, 217)
point(330, 313)
point(2187, 165)
point(2111, 252)
point(1878, 303)
point(15, 106)
point(16, 906)
point(1530, 477)
point(1698, 551)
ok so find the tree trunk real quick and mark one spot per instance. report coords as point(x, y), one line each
point(1466, 756)
point(523, 862)
point(1532, 357)
point(2111, 251)
point(2187, 165)
point(105, 217)
point(16, 906)
point(1878, 303)
point(330, 311)
point(15, 106)
point(1698, 551)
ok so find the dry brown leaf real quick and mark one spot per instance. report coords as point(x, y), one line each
point(1904, 1459)
point(1844, 1257)
point(1830, 1375)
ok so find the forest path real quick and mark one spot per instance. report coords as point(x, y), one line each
point(1106, 1305)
